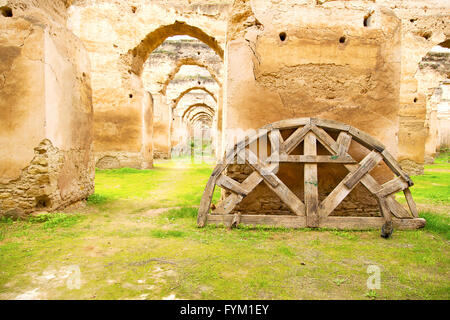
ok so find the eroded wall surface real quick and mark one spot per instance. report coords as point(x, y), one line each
point(45, 110)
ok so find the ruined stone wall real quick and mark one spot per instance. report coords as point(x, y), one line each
point(298, 59)
point(119, 37)
point(424, 24)
point(434, 70)
point(45, 110)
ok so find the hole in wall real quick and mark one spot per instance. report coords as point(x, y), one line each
point(43, 202)
point(198, 82)
point(342, 39)
point(130, 95)
point(427, 35)
point(6, 11)
point(367, 20)
point(198, 52)
point(415, 100)
point(133, 9)
point(283, 36)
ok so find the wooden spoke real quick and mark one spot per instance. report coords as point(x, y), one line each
point(311, 213)
point(295, 139)
point(311, 183)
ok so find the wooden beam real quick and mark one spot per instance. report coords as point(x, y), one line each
point(342, 190)
point(366, 140)
point(393, 186)
point(311, 182)
point(276, 185)
point(330, 124)
point(342, 223)
point(366, 165)
point(312, 159)
point(231, 185)
point(295, 139)
point(343, 141)
point(411, 203)
point(393, 165)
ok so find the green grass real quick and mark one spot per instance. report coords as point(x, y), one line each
point(126, 247)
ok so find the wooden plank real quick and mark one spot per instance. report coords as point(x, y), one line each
point(289, 123)
point(257, 220)
point(276, 142)
point(411, 203)
point(312, 159)
point(393, 186)
point(342, 223)
point(365, 223)
point(231, 153)
point(384, 209)
point(397, 209)
point(231, 185)
point(366, 140)
point(311, 182)
point(229, 203)
point(341, 191)
point(343, 141)
point(394, 166)
point(275, 184)
point(260, 167)
point(326, 140)
point(295, 139)
point(330, 124)
point(366, 165)
point(205, 203)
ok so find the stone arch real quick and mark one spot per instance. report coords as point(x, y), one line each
point(138, 55)
point(177, 100)
point(200, 116)
point(191, 108)
point(189, 62)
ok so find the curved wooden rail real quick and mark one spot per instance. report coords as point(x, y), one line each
point(312, 213)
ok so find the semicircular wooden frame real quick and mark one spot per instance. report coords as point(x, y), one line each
point(311, 213)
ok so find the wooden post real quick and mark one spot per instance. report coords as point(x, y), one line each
point(311, 183)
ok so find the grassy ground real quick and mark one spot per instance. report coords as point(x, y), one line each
point(137, 239)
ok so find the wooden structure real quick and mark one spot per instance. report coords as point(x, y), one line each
point(311, 212)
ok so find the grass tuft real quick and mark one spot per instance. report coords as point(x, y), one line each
point(437, 223)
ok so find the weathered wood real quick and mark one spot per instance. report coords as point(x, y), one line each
point(384, 209)
point(411, 203)
point(393, 165)
point(366, 223)
point(393, 186)
point(254, 179)
point(312, 159)
point(397, 209)
point(330, 124)
point(257, 220)
point(311, 182)
point(326, 140)
point(231, 185)
point(341, 223)
point(366, 165)
point(342, 190)
point(276, 185)
point(366, 140)
point(205, 203)
point(260, 167)
point(289, 123)
point(311, 214)
point(343, 141)
point(295, 139)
